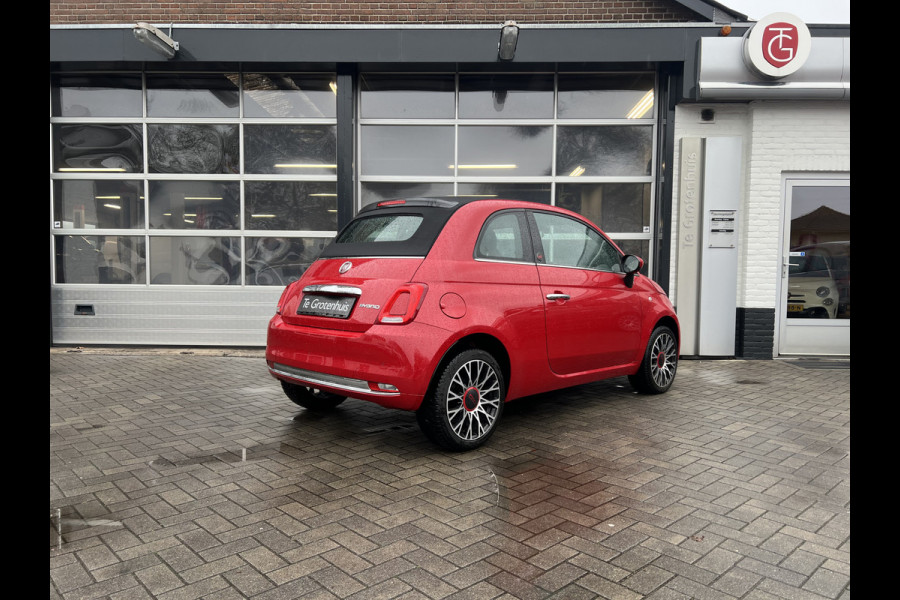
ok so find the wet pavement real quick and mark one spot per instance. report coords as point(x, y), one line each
point(188, 474)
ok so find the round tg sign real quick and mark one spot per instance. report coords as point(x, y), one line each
point(777, 45)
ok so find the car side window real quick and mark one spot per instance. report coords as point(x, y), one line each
point(502, 238)
point(570, 243)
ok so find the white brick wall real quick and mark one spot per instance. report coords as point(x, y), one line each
point(780, 138)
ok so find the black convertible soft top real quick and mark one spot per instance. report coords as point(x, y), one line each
point(416, 221)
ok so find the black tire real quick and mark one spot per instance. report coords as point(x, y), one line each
point(311, 398)
point(657, 370)
point(467, 402)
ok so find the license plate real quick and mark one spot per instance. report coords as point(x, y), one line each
point(795, 307)
point(320, 305)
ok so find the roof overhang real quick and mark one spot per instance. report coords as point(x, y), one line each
point(620, 43)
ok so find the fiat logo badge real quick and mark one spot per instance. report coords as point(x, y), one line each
point(345, 267)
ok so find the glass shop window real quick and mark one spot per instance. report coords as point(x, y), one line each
point(88, 96)
point(103, 259)
point(178, 204)
point(290, 205)
point(289, 96)
point(98, 204)
point(214, 95)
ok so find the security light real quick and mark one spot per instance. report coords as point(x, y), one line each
point(509, 35)
point(156, 39)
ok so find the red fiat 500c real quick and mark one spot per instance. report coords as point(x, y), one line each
point(451, 307)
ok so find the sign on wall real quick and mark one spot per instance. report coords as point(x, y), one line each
point(777, 45)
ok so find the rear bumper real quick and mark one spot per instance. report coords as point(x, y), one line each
point(390, 365)
point(332, 382)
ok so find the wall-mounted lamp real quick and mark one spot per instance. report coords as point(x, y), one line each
point(509, 35)
point(156, 39)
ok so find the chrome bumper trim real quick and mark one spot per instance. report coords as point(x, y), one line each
point(313, 379)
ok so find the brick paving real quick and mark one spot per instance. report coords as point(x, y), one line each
point(183, 475)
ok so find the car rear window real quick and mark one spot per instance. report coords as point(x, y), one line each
point(396, 231)
point(388, 228)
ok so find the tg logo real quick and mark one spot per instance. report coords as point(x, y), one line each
point(777, 45)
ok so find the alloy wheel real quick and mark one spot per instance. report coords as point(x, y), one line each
point(664, 355)
point(473, 400)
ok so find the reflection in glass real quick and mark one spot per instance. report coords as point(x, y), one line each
point(119, 259)
point(505, 96)
point(513, 151)
point(96, 95)
point(414, 96)
point(182, 95)
point(192, 148)
point(98, 148)
point(606, 96)
point(289, 96)
point(98, 204)
point(407, 150)
point(379, 191)
point(568, 243)
point(531, 192)
point(819, 257)
point(610, 150)
point(194, 205)
point(195, 260)
point(640, 248)
point(280, 260)
point(290, 205)
point(614, 207)
point(290, 149)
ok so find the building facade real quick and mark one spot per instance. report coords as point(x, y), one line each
point(190, 182)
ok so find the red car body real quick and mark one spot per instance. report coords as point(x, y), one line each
point(382, 321)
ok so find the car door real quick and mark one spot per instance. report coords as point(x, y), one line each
point(593, 319)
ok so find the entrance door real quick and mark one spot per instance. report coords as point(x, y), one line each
point(814, 313)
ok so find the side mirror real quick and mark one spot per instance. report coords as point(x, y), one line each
point(631, 265)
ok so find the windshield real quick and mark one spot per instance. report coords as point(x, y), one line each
point(810, 264)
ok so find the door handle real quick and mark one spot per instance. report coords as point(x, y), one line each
point(557, 296)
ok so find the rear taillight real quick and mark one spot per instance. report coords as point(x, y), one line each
point(403, 305)
point(283, 298)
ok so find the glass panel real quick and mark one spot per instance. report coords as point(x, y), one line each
point(503, 238)
point(569, 243)
point(819, 260)
point(100, 259)
point(414, 96)
point(97, 96)
point(194, 205)
point(380, 229)
point(614, 207)
point(608, 96)
point(612, 150)
point(491, 151)
point(280, 260)
point(505, 96)
point(182, 95)
point(411, 150)
point(639, 248)
point(193, 148)
point(98, 148)
point(195, 260)
point(283, 96)
point(532, 192)
point(290, 149)
point(378, 191)
point(290, 205)
point(98, 204)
